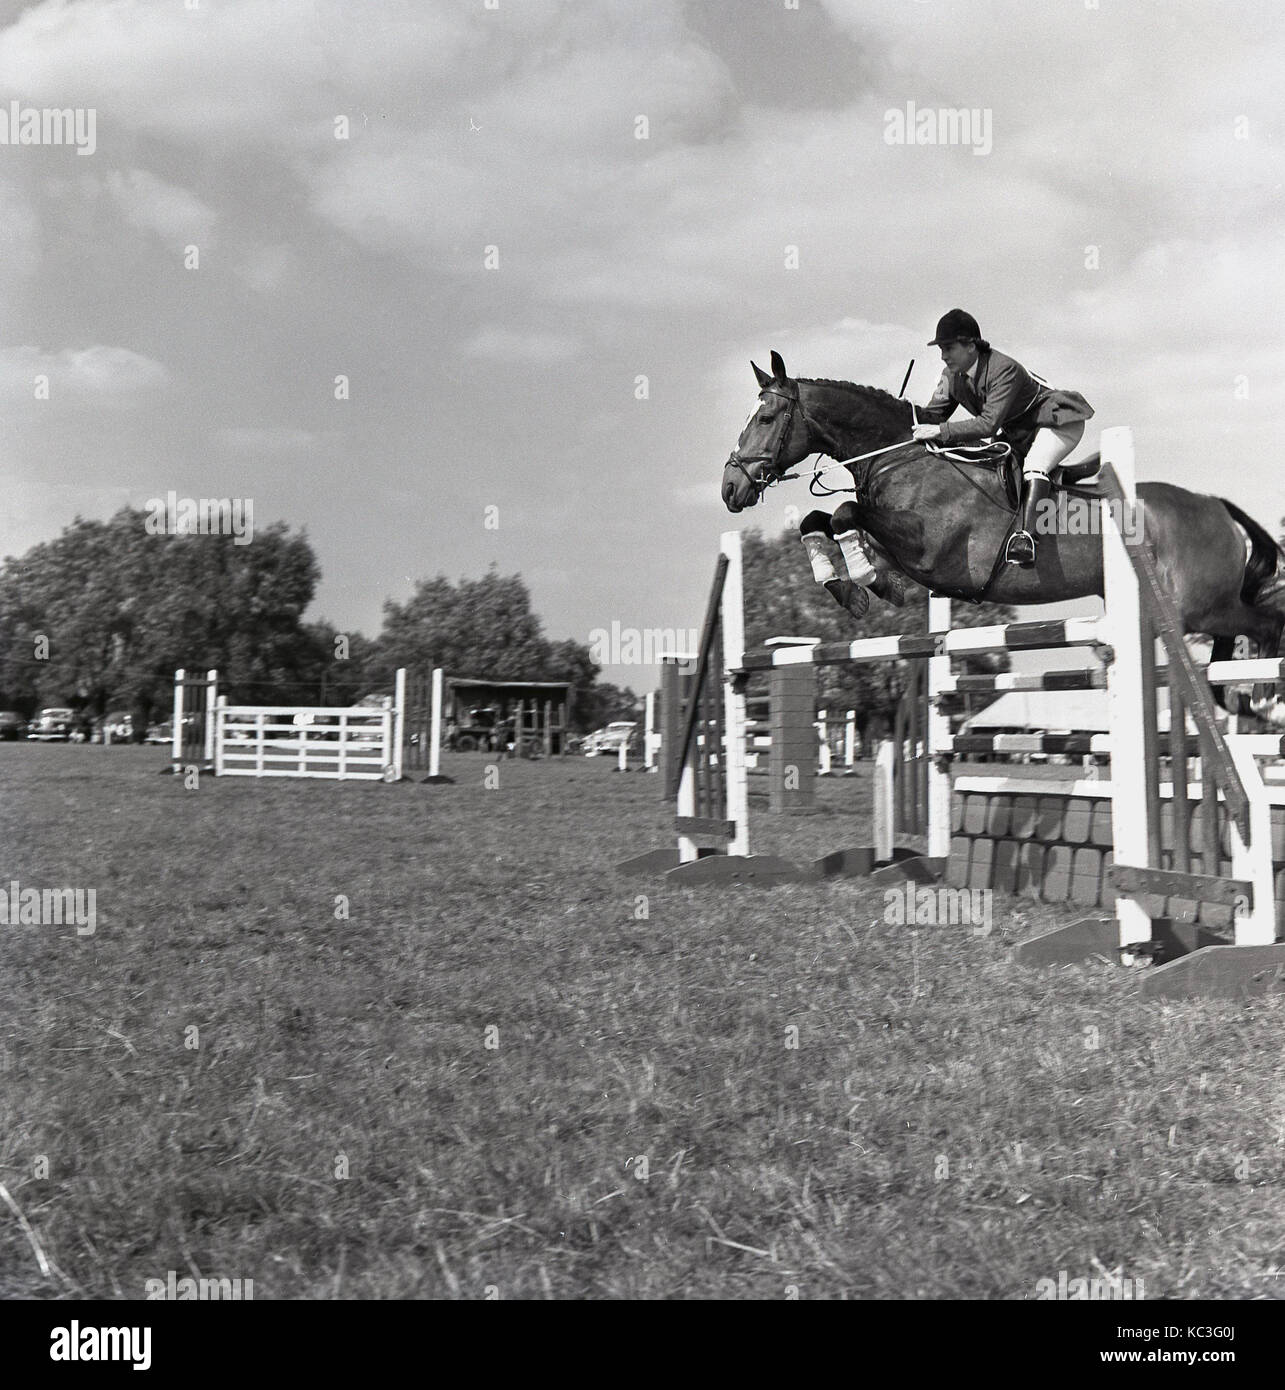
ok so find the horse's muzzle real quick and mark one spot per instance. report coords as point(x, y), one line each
point(738, 491)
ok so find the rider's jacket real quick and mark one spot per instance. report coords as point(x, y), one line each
point(1005, 394)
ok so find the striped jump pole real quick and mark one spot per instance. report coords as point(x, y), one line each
point(936, 644)
point(1004, 681)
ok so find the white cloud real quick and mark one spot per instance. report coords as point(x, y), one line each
point(242, 69)
point(150, 204)
point(106, 374)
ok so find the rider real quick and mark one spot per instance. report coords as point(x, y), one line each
point(1045, 423)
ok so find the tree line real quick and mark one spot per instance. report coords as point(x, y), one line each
point(99, 619)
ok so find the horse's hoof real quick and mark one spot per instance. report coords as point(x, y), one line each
point(891, 587)
point(849, 595)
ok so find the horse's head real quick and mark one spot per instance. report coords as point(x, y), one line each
point(774, 439)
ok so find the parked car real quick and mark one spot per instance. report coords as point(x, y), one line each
point(608, 740)
point(162, 732)
point(12, 725)
point(477, 728)
point(53, 725)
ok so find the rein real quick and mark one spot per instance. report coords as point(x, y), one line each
point(975, 454)
point(988, 455)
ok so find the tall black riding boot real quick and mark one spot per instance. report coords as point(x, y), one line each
point(1021, 544)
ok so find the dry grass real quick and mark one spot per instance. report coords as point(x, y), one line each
point(948, 1126)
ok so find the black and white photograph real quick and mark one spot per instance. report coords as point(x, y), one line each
point(641, 661)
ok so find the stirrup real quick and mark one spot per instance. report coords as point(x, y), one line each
point(1020, 541)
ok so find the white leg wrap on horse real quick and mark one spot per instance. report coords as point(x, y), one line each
point(860, 569)
point(818, 546)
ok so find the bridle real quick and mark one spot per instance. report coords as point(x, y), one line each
point(770, 457)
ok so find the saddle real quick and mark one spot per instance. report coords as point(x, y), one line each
point(1078, 471)
point(1072, 475)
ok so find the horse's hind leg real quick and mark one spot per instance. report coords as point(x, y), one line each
point(1260, 629)
point(1265, 703)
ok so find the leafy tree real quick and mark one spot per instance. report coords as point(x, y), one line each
point(602, 703)
point(100, 617)
point(486, 629)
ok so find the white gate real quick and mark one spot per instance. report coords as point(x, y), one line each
point(341, 742)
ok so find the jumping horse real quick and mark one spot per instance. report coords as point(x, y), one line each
point(942, 520)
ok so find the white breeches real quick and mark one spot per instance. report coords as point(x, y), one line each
point(1050, 447)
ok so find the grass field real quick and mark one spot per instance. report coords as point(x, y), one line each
point(232, 1077)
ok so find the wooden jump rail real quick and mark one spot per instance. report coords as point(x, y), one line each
point(962, 641)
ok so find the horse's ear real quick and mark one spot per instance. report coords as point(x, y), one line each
point(778, 368)
point(763, 377)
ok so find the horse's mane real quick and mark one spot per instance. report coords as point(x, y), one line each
point(873, 399)
point(875, 393)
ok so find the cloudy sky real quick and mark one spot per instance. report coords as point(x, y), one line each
point(1119, 231)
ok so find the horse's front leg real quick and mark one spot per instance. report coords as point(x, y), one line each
point(843, 562)
point(829, 564)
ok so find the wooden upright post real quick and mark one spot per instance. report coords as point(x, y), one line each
point(738, 794)
point(397, 724)
point(176, 733)
point(435, 732)
point(1131, 687)
point(937, 739)
point(792, 757)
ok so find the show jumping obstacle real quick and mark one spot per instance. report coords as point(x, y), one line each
point(402, 734)
point(338, 742)
point(335, 742)
point(192, 734)
point(1182, 859)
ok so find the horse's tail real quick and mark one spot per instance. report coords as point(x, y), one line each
point(1264, 557)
